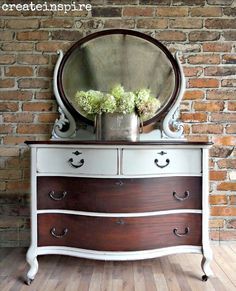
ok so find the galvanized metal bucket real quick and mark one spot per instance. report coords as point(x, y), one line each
point(117, 126)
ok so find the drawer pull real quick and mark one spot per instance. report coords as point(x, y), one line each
point(53, 233)
point(162, 166)
point(175, 231)
point(120, 183)
point(186, 196)
point(120, 222)
point(53, 197)
point(81, 163)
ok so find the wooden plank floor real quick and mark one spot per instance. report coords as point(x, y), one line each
point(175, 272)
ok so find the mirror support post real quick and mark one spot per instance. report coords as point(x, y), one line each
point(171, 127)
point(65, 126)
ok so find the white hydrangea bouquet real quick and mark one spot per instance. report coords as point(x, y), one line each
point(118, 100)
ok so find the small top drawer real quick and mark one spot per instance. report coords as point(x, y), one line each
point(87, 161)
point(158, 161)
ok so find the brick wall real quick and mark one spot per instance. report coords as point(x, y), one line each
point(204, 30)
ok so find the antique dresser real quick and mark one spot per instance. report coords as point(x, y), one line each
point(117, 199)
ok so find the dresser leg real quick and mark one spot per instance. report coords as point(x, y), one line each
point(31, 258)
point(205, 264)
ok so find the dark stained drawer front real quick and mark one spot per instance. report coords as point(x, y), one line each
point(119, 234)
point(119, 195)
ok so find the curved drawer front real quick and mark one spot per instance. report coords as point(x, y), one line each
point(157, 161)
point(77, 161)
point(119, 195)
point(119, 234)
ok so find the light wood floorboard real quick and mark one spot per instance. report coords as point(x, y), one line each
point(180, 272)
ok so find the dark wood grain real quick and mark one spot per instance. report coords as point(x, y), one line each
point(119, 195)
point(119, 234)
point(92, 142)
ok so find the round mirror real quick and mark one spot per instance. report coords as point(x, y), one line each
point(107, 58)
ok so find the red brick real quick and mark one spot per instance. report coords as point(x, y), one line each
point(220, 152)
point(169, 35)
point(226, 235)
point(227, 163)
point(204, 59)
point(229, 11)
point(18, 117)
point(6, 35)
point(6, 128)
point(138, 11)
point(232, 105)
point(52, 46)
point(224, 140)
point(188, 2)
point(185, 23)
point(153, 2)
point(8, 106)
point(220, 71)
point(193, 95)
point(18, 71)
point(220, 2)
point(72, 35)
point(229, 35)
point(7, 59)
point(10, 174)
point(223, 211)
point(17, 46)
point(223, 117)
point(218, 199)
point(33, 83)
point(119, 23)
point(232, 199)
point(22, 23)
point(33, 129)
point(229, 59)
point(216, 223)
point(38, 106)
point(220, 95)
point(45, 72)
point(228, 83)
point(204, 35)
point(14, 140)
point(56, 23)
point(231, 128)
point(192, 71)
point(18, 186)
point(106, 11)
point(33, 59)
point(32, 35)
point(206, 11)
point(218, 176)
point(7, 83)
point(201, 138)
point(207, 128)
point(9, 151)
point(216, 47)
point(47, 117)
point(220, 23)
point(16, 95)
point(203, 83)
point(172, 11)
point(194, 117)
point(44, 95)
point(208, 106)
point(152, 23)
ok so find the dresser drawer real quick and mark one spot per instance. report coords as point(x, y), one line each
point(77, 161)
point(167, 161)
point(119, 234)
point(119, 195)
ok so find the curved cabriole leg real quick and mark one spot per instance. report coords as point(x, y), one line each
point(205, 264)
point(31, 258)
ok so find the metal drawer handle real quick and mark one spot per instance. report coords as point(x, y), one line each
point(175, 231)
point(186, 196)
point(120, 183)
point(53, 197)
point(81, 163)
point(53, 233)
point(120, 222)
point(162, 166)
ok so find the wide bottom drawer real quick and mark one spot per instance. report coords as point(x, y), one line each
point(119, 233)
